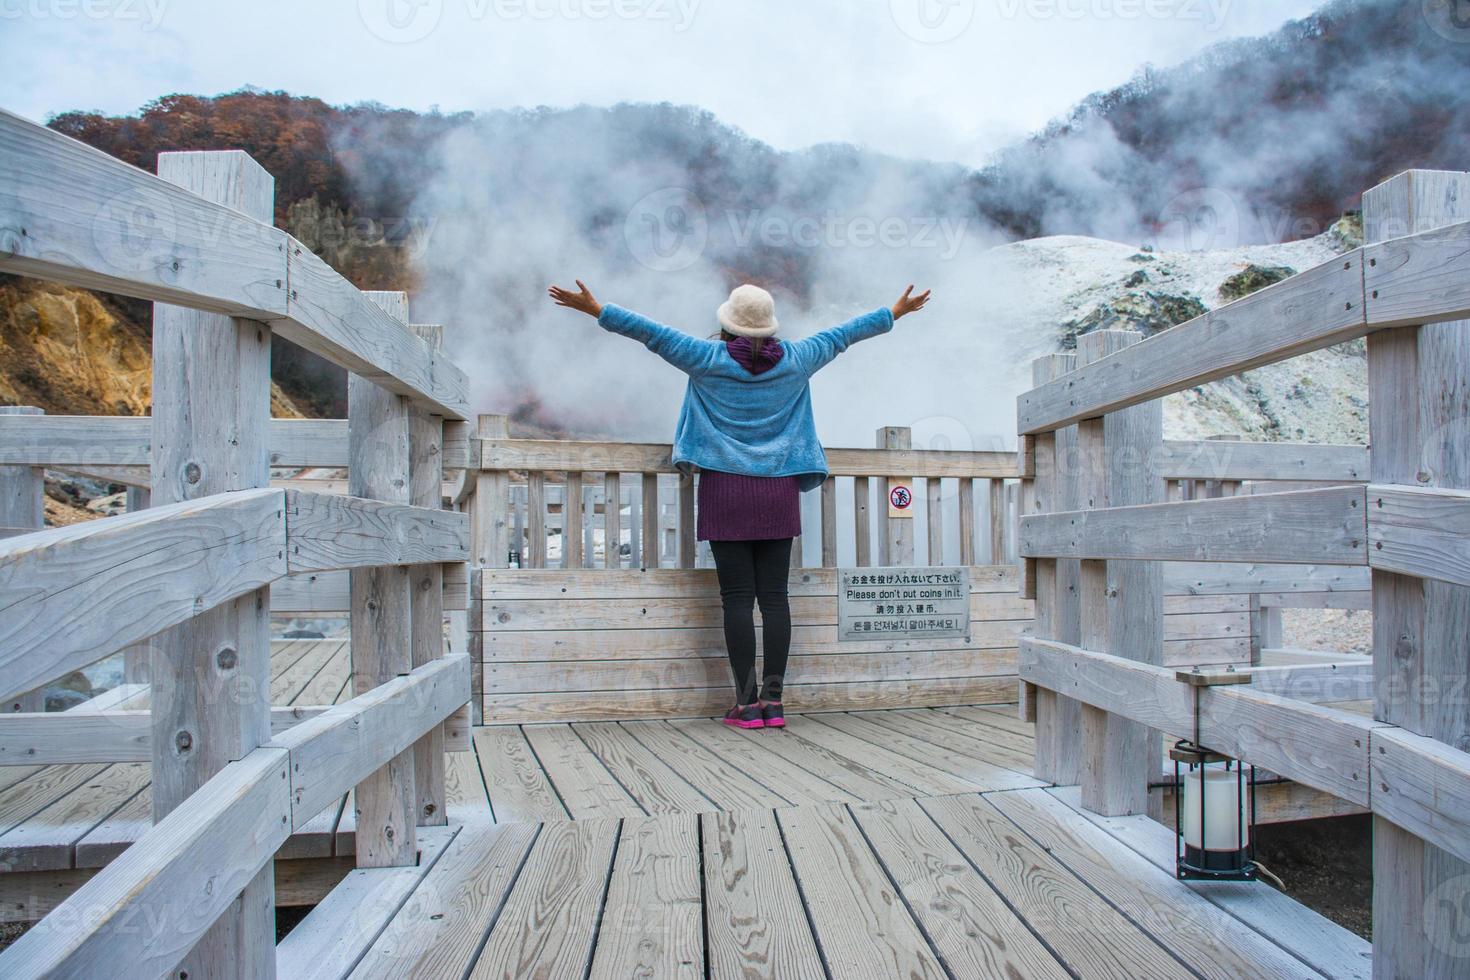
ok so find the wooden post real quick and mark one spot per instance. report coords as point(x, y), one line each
point(934, 513)
point(862, 521)
point(649, 532)
point(829, 522)
point(210, 677)
point(612, 521)
point(382, 635)
point(898, 535)
point(1058, 719)
point(967, 522)
point(536, 519)
point(1266, 628)
point(489, 548)
point(686, 520)
point(1419, 402)
point(1122, 602)
point(23, 508)
point(571, 523)
point(426, 582)
point(997, 522)
point(136, 657)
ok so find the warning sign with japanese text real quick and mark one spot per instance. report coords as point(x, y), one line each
point(903, 603)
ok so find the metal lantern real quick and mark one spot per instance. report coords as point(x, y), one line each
point(1214, 801)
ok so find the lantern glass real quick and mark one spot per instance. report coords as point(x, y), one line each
point(1214, 813)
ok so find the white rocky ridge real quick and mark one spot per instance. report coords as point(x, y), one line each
point(1320, 397)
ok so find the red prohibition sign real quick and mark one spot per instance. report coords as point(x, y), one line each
point(900, 497)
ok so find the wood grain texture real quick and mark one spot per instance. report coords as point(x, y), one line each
point(1316, 309)
point(326, 532)
point(519, 789)
point(1421, 628)
point(652, 917)
point(336, 933)
point(969, 924)
point(1224, 459)
point(337, 749)
point(581, 780)
point(1327, 527)
point(74, 214)
point(549, 921)
point(754, 913)
point(1312, 744)
point(861, 922)
point(559, 455)
point(381, 619)
point(1203, 936)
point(1420, 532)
point(330, 317)
point(189, 869)
point(646, 777)
point(1085, 932)
point(439, 931)
point(1423, 786)
point(143, 573)
point(1314, 940)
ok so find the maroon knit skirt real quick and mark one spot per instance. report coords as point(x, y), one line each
point(747, 508)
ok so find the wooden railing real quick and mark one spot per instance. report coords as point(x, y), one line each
point(1099, 527)
point(192, 574)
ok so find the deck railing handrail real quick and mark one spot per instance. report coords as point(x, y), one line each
point(1098, 530)
point(204, 563)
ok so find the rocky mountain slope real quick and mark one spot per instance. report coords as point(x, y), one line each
point(1073, 285)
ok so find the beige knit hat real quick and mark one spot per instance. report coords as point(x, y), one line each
point(749, 312)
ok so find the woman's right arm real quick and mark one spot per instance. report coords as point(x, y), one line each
point(689, 354)
point(816, 352)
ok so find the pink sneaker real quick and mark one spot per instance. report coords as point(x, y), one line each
point(749, 716)
point(772, 715)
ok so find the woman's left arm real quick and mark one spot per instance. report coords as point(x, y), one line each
point(688, 354)
point(817, 351)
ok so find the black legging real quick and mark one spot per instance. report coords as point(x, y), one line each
point(753, 571)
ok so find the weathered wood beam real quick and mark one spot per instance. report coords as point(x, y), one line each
point(145, 911)
point(330, 592)
point(1327, 527)
point(344, 745)
point(1420, 532)
point(1212, 459)
point(1308, 743)
point(1213, 578)
point(70, 595)
point(66, 737)
point(326, 532)
point(558, 455)
point(1423, 786)
point(102, 441)
point(1345, 681)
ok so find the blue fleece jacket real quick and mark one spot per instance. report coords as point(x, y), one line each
point(738, 422)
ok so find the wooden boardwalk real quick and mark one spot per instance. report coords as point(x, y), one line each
point(868, 844)
point(853, 844)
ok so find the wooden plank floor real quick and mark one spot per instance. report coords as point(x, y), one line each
point(892, 843)
point(1006, 883)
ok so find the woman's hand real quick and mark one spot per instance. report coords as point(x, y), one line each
point(583, 302)
point(907, 303)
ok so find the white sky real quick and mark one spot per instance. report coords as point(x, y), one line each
point(942, 79)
